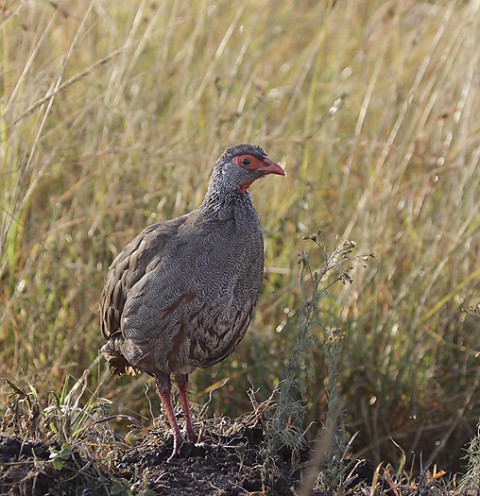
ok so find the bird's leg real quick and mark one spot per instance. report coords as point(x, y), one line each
point(182, 382)
point(164, 391)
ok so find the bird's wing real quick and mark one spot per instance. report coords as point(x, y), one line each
point(139, 257)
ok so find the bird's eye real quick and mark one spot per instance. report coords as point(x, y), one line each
point(246, 161)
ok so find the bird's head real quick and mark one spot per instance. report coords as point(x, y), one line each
point(240, 165)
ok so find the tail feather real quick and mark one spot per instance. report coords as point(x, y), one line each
point(117, 363)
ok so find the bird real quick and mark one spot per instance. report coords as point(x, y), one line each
point(182, 293)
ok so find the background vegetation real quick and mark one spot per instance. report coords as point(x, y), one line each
point(113, 114)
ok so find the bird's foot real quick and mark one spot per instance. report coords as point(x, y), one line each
point(187, 448)
point(191, 435)
point(178, 442)
point(175, 452)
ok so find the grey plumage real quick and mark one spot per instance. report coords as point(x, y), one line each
point(182, 293)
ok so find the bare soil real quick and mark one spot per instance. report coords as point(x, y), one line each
point(229, 465)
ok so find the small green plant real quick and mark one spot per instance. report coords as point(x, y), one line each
point(75, 429)
point(470, 484)
point(287, 429)
point(70, 421)
point(63, 419)
point(330, 445)
point(61, 456)
point(241, 451)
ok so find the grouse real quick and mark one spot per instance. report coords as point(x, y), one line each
point(182, 293)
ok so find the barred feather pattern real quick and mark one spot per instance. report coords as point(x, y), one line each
point(182, 293)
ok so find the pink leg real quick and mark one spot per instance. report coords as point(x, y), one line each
point(166, 398)
point(182, 381)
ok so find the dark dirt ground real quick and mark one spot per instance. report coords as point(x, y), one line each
point(232, 466)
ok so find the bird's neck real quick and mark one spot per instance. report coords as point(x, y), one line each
point(222, 201)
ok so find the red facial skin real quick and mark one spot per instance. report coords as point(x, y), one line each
point(263, 166)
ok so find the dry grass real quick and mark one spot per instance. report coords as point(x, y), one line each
point(112, 114)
